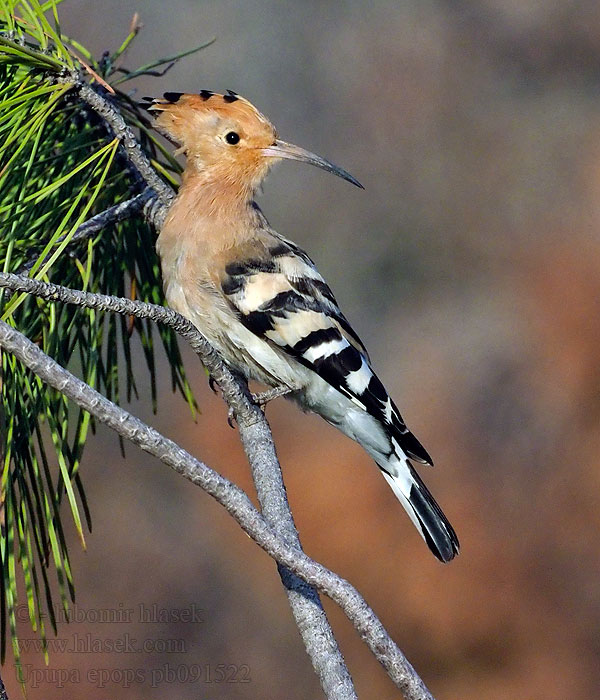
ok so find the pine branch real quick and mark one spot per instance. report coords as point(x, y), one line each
point(112, 215)
point(96, 97)
point(235, 501)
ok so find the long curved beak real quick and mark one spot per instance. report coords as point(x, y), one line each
point(281, 149)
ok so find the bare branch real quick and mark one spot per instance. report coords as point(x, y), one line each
point(258, 444)
point(229, 495)
point(304, 600)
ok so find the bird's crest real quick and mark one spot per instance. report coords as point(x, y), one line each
point(176, 113)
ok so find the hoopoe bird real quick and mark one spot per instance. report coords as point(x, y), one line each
point(259, 299)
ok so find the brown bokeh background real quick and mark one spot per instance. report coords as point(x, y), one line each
point(470, 266)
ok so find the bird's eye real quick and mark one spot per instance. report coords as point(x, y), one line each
point(232, 138)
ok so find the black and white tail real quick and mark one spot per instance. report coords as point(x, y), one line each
point(422, 508)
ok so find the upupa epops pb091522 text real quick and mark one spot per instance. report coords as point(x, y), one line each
point(259, 299)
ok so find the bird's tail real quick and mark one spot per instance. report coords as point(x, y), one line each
point(422, 508)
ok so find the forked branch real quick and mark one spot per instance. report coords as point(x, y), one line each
point(230, 496)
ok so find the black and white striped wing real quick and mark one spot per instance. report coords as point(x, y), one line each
point(284, 300)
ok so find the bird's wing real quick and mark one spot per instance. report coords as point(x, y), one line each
point(280, 296)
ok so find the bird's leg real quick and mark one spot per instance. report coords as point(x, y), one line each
point(264, 397)
point(261, 400)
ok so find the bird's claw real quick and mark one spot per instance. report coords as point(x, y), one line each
point(212, 384)
point(231, 418)
point(264, 397)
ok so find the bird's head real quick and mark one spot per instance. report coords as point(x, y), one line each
point(226, 139)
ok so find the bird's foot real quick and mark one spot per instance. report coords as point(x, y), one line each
point(261, 399)
point(264, 397)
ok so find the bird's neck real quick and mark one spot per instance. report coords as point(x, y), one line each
point(212, 215)
point(218, 196)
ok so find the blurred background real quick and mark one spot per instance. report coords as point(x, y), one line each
point(470, 268)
